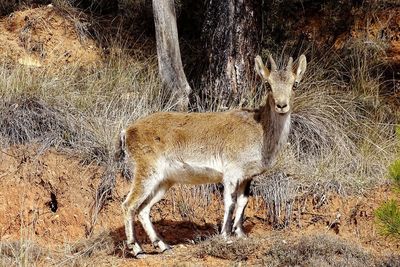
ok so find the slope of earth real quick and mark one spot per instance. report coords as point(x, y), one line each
point(27, 181)
point(382, 26)
point(47, 36)
point(376, 27)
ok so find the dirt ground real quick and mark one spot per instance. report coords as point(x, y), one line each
point(27, 181)
point(375, 28)
point(47, 36)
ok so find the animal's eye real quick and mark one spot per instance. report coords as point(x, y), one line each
point(295, 84)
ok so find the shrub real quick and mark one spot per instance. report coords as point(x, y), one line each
point(394, 169)
point(394, 172)
point(22, 252)
point(388, 216)
point(317, 250)
point(238, 250)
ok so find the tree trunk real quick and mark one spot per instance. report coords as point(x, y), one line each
point(168, 52)
point(232, 34)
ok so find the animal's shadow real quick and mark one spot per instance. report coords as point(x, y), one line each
point(172, 232)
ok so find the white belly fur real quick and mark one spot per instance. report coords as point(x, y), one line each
point(193, 172)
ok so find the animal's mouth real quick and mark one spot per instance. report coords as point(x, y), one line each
point(282, 111)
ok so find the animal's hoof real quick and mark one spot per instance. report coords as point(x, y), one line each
point(225, 235)
point(141, 255)
point(227, 238)
point(240, 234)
point(168, 251)
point(164, 247)
point(136, 250)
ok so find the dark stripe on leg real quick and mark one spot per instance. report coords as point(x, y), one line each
point(247, 188)
point(228, 223)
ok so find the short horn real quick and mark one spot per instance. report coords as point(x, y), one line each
point(290, 64)
point(273, 64)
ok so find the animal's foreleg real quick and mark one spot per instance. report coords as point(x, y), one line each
point(229, 206)
point(242, 198)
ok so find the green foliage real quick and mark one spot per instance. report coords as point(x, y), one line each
point(398, 132)
point(388, 216)
point(394, 172)
point(394, 168)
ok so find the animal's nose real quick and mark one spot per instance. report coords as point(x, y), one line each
point(281, 105)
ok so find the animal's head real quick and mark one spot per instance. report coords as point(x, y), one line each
point(281, 81)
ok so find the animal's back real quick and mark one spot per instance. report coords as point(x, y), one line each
point(170, 130)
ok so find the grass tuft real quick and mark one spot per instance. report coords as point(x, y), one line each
point(29, 120)
point(102, 241)
point(21, 253)
point(388, 218)
point(394, 172)
point(238, 250)
point(317, 250)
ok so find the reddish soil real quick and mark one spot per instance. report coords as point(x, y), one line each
point(382, 26)
point(47, 36)
point(27, 179)
point(376, 28)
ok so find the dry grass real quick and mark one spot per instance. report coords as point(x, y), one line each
point(317, 250)
point(311, 250)
point(83, 252)
point(26, 252)
point(79, 111)
point(235, 250)
point(21, 253)
point(82, 110)
point(190, 201)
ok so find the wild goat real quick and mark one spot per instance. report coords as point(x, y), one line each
point(197, 148)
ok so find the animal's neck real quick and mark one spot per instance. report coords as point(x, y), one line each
point(276, 128)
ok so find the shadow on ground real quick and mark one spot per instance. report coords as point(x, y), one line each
point(173, 233)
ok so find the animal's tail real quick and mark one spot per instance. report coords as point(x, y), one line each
point(121, 156)
point(107, 184)
point(120, 147)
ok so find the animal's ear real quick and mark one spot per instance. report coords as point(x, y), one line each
point(260, 68)
point(301, 68)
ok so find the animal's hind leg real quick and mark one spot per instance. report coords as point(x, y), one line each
point(129, 215)
point(135, 198)
point(144, 215)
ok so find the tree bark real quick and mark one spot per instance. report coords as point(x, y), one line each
point(168, 52)
point(232, 34)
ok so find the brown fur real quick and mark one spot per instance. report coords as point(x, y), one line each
point(185, 135)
